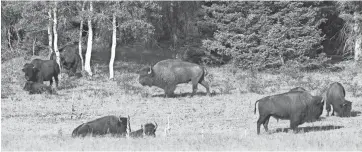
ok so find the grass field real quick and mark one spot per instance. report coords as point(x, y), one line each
point(225, 121)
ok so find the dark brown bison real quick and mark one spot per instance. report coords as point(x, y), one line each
point(69, 60)
point(116, 126)
point(42, 70)
point(335, 96)
point(37, 88)
point(297, 89)
point(168, 73)
point(298, 107)
point(148, 129)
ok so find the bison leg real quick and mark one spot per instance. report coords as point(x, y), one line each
point(51, 82)
point(56, 81)
point(260, 121)
point(206, 85)
point(169, 91)
point(266, 123)
point(294, 122)
point(194, 89)
point(328, 108)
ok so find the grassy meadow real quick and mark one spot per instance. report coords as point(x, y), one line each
point(225, 121)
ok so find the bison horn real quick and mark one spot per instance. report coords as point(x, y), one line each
point(149, 72)
point(156, 125)
point(143, 131)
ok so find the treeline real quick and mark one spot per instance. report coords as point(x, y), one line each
point(258, 35)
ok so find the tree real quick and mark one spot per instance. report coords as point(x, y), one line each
point(351, 33)
point(88, 54)
point(81, 36)
point(50, 33)
point(261, 34)
point(113, 48)
point(56, 51)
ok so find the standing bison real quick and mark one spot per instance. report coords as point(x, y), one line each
point(335, 96)
point(42, 70)
point(297, 106)
point(167, 74)
point(69, 60)
point(116, 126)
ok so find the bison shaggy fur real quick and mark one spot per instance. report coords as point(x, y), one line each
point(37, 88)
point(298, 107)
point(335, 97)
point(42, 70)
point(168, 73)
point(116, 126)
point(148, 129)
point(70, 60)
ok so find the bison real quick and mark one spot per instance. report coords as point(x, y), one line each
point(297, 89)
point(70, 60)
point(116, 126)
point(37, 88)
point(335, 96)
point(148, 129)
point(42, 70)
point(168, 73)
point(298, 107)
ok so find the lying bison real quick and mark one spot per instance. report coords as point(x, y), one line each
point(37, 88)
point(116, 126)
point(69, 60)
point(42, 70)
point(298, 107)
point(167, 74)
point(297, 89)
point(335, 96)
point(148, 129)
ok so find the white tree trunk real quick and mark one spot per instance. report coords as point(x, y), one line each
point(56, 35)
point(80, 37)
point(358, 42)
point(88, 54)
point(113, 48)
point(50, 33)
point(34, 46)
point(9, 40)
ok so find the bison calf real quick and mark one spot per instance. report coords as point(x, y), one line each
point(335, 97)
point(116, 126)
point(37, 88)
point(148, 129)
point(298, 107)
point(167, 74)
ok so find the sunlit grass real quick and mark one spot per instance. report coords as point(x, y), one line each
point(225, 121)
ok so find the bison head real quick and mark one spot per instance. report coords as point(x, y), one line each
point(27, 86)
point(316, 108)
point(149, 129)
point(30, 72)
point(346, 108)
point(122, 122)
point(146, 76)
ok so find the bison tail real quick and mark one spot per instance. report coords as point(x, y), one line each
point(255, 107)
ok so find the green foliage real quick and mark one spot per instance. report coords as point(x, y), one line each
point(262, 34)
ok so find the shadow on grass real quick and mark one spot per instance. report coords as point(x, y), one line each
point(185, 94)
point(310, 129)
